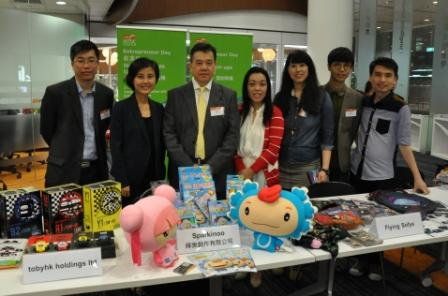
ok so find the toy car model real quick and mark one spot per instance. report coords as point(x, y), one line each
point(61, 245)
point(40, 246)
point(83, 240)
point(103, 238)
point(8, 251)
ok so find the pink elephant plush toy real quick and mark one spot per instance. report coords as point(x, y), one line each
point(150, 226)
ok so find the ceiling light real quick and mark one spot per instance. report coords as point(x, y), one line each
point(426, 20)
point(296, 46)
point(61, 3)
point(378, 27)
point(435, 2)
point(113, 58)
point(268, 54)
point(105, 51)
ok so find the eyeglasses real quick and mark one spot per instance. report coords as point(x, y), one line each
point(86, 61)
point(344, 66)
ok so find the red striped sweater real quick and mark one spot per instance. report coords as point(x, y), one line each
point(273, 135)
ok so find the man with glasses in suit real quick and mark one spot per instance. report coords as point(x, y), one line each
point(75, 115)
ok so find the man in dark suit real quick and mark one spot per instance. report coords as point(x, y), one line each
point(205, 106)
point(75, 115)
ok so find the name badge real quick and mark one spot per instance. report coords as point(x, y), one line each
point(350, 112)
point(302, 113)
point(217, 111)
point(104, 114)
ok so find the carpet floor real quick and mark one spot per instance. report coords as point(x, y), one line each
point(398, 281)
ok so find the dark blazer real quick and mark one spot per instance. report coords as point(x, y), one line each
point(347, 127)
point(221, 132)
point(61, 127)
point(131, 146)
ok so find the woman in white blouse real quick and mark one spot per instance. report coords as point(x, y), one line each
point(261, 135)
point(261, 131)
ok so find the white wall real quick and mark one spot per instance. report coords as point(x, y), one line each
point(277, 27)
point(267, 27)
point(35, 53)
point(242, 19)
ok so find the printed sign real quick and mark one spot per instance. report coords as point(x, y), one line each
point(52, 266)
point(398, 225)
point(167, 48)
point(208, 238)
point(234, 56)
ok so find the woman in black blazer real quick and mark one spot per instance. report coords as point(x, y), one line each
point(138, 150)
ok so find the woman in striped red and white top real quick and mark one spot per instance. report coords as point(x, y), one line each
point(261, 131)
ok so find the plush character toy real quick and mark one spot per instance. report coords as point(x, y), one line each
point(272, 213)
point(150, 226)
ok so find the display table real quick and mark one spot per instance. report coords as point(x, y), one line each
point(345, 250)
point(119, 273)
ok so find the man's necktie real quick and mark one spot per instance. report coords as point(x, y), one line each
point(202, 109)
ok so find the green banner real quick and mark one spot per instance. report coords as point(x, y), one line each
point(234, 56)
point(167, 48)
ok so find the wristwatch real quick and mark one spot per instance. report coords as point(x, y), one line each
point(326, 171)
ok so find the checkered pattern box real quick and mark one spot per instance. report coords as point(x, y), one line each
point(102, 205)
point(21, 212)
point(63, 209)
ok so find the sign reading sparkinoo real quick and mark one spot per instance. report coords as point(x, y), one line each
point(52, 266)
point(208, 238)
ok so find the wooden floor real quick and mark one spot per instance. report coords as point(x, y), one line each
point(30, 175)
point(414, 261)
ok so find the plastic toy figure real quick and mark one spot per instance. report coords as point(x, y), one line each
point(272, 213)
point(150, 225)
point(82, 240)
point(61, 245)
point(41, 246)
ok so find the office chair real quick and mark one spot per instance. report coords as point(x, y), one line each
point(330, 189)
point(326, 189)
point(3, 183)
